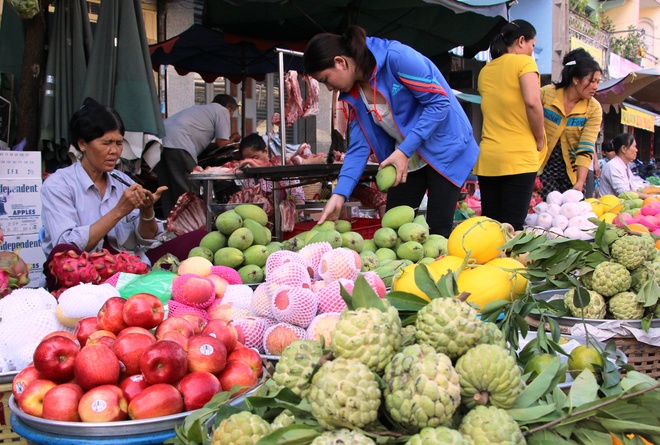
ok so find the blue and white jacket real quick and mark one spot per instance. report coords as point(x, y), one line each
point(425, 111)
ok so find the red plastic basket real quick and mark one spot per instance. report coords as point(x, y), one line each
point(364, 226)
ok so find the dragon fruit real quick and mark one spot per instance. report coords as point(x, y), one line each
point(130, 263)
point(16, 271)
point(71, 269)
point(105, 263)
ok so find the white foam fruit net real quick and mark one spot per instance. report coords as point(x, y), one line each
point(312, 253)
point(240, 295)
point(296, 306)
point(18, 342)
point(282, 257)
point(253, 329)
point(26, 301)
point(279, 336)
point(288, 274)
point(339, 263)
point(329, 298)
point(260, 305)
point(322, 326)
point(85, 300)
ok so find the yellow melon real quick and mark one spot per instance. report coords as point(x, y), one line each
point(607, 217)
point(482, 237)
point(404, 281)
point(444, 264)
point(515, 269)
point(485, 285)
point(611, 203)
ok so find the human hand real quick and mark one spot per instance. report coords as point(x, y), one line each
point(400, 161)
point(332, 208)
point(235, 137)
point(579, 186)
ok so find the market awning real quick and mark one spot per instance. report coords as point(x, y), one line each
point(639, 118)
point(642, 86)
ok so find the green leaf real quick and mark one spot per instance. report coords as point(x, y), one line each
point(648, 293)
point(532, 413)
point(584, 389)
point(447, 283)
point(404, 301)
point(634, 378)
point(294, 434)
point(547, 437)
point(581, 297)
point(538, 387)
point(346, 296)
point(365, 296)
point(425, 283)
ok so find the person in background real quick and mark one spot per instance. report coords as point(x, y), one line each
point(513, 137)
point(400, 107)
point(187, 134)
point(608, 153)
point(572, 123)
point(617, 176)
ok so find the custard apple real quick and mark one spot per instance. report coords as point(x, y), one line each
point(296, 364)
point(368, 335)
point(638, 277)
point(449, 325)
point(629, 250)
point(486, 425)
point(649, 247)
point(587, 278)
point(610, 278)
point(408, 331)
point(439, 435)
point(595, 309)
point(422, 387)
point(492, 335)
point(285, 418)
point(654, 271)
point(342, 437)
point(624, 306)
point(489, 376)
point(344, 392)
point(243, 428)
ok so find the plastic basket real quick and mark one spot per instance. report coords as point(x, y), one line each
point(7, 435)
point(364, 226)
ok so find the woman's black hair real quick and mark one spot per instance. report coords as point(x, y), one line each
point(577, 63)
point(607, 147)
point(322, 49)
point(510, 33)
point(92, 121)
point(252, 141)
point(622, 140)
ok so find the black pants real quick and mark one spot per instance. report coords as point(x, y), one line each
point(442, 198)
point(506, 198)
point(172, 170)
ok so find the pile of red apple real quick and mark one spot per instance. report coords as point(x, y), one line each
point(113, 367)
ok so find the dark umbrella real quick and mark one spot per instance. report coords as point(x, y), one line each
point(642, 85)
point(119, 75)
point(69, 51)
point(432, 27)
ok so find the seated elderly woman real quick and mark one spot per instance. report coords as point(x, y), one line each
point(616, 176)
point(89, 205)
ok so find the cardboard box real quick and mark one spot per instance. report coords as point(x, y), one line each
point(20, 206)
point(29, 249)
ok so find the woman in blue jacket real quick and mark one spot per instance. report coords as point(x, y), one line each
point(401, 109)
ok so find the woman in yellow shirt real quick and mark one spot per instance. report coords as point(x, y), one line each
point(512, 132)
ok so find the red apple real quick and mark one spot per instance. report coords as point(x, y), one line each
point(129, 348)
point(61, 403)
point(198, 388)
point(222, 311)
point(96, 365)
point(105, 403)
point(176, 337)
point(32, 399)
point(206, 353)
point(161, 399)
point(220, 285)
point(132, 386)
point(103, 340)
point(54, 358)
point(237, 372)
point(223, 331)
point(197, 321)
point(101, 333)
point(63, 334)
point(84, 328)
point(164, 362)
point(251, 357)
point(111, 315)
point(239, 345)
point(174, 324)
point(21, 381)
point(136, 330)
point(143, 310)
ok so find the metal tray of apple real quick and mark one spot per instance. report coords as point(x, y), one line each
point(7, 376)
point(558, 294)
point(572, 343)
point(113, 429)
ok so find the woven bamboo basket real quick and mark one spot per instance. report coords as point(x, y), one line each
point(7, 435)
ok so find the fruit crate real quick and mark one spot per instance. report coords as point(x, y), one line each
point(364, 226)
point(7, 435)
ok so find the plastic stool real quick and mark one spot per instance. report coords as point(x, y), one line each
point(40, 438)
